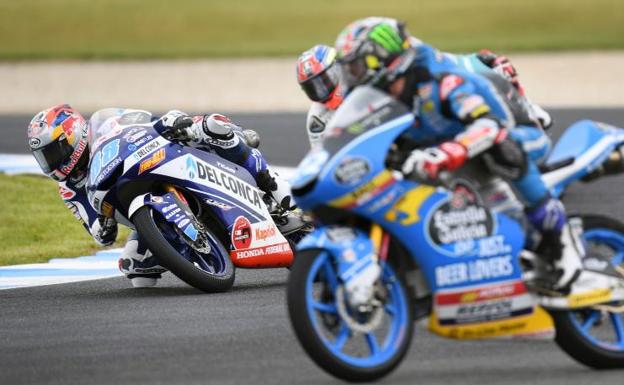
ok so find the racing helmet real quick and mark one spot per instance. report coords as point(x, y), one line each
point(317, 73)
point(366, 48)
point(57, 138)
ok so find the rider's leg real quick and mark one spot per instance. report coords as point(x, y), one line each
point(559, 244)
point(231, 145)
point(138, 263)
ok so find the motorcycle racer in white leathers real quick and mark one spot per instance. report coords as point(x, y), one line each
point(59, 139)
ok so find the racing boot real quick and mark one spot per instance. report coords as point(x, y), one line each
point(271, 183)
point(138, 264)
point(560, 246)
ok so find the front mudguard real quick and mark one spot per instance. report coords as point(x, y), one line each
point(171, 209)
point(352, 249)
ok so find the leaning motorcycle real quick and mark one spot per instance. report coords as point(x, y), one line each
point(457, 254)
point(199, 214)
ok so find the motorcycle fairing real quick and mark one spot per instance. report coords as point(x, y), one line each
point(589, 143)
point(227, 188)
point(406, 210)
point(169, 209)
point(352, 249)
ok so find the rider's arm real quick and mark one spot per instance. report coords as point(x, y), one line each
point(204, 131)
point(463, 102)
point(460, 101)
point(103, 231)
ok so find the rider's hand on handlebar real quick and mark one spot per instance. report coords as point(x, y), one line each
point(428, 163)
point(174, 126)
point(106, 232)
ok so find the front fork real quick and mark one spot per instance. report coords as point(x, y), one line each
point(360, 284)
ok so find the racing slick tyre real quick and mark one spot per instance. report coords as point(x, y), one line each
point(212, 272)
point(594, 337)
point(348, 344)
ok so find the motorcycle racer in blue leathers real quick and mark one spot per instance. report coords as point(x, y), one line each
point(318, 78)
point(59, 138)
point(460, 115)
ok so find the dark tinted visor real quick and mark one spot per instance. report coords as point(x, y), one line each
point(320, 87)
point(52, 156)
point(353, 72)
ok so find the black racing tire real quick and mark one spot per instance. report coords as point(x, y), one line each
point(171, 259)
point(568, 336)
point(311, 341)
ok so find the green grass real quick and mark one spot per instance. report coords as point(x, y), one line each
point(35, 225)
point(142, 29)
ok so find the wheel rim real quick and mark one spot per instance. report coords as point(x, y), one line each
point(376, 347)
point(602, 328)
point(214, 263)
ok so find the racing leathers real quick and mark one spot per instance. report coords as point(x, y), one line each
point(483, 62)
point(217, 134)
point(459, 116)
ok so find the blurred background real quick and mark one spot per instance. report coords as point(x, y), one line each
point(238, 57)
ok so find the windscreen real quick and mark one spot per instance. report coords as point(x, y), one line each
point(364, 109)
point(104, 122)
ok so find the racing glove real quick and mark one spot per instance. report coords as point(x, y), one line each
point(428, 163)
point(105, 231)
point(175, 126)
point(502, 66)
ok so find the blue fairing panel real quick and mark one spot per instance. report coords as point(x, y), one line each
point(578, 138)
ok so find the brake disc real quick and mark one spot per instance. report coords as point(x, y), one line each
point(373, 315)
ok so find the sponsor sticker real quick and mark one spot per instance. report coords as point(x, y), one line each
point(146, 150)
point(66, 193)
point(590, 297)
point(262, 251)
point(264, 233)
point(224, 181)
point(352, 170)
point(486, 303)
point(241, 233)
point(152, 161)
point(474, 271)
point(461, 218)
point(221, 205)
point(366, 192)
point(448, 84)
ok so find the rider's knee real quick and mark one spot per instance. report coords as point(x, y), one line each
point(508, 159)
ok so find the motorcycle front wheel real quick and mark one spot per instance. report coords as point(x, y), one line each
point(348, 344)
point(212, 272)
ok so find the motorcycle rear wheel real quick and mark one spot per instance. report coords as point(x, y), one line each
point(592, 337)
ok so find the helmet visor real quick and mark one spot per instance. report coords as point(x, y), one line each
point(320, 87)
point(53, 155)
point(353, 72)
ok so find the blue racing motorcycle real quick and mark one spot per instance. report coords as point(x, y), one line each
point(199, 214)
point(389, 251)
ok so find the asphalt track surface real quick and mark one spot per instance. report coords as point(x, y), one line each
point(104, 332)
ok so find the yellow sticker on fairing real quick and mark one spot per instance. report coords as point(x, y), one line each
point(365, 192)
point(591, 297)
point(405, 210)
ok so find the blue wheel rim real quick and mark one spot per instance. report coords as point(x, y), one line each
point(587, 320)
point(214, 263)
point(379, 352)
